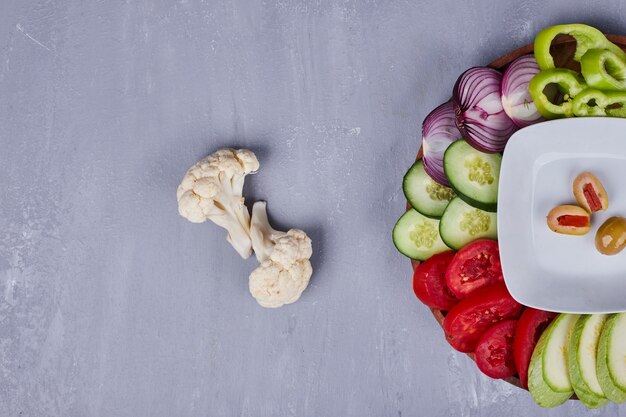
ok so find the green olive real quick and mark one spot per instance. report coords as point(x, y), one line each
point(611, 236)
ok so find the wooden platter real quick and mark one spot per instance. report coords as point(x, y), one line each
point(563, 52)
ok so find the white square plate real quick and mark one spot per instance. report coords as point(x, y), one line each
point(544, 269)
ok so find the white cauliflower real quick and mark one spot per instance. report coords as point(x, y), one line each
point(285, 268)
point(212, 189)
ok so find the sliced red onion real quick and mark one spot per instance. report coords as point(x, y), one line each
point(516, 99)
point(479, 113)
point(438, 132)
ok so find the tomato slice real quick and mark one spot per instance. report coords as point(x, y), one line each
point(469, 319)
point(494, 351)
point(475, 266)
point(429, 282)
point(530, 327)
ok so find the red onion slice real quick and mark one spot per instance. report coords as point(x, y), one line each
point(479, 113)
point(516, 99)
point(438, 132)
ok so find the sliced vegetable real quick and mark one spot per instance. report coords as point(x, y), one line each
point(604, 70)
point(468, 320)
point(611, 236)
point(438, 132)
point(549, 104)
point(590, 193)
point(473, 175)
point(616, 350)
point(462, 224)
point(611, 367)
point(494, 351)
point(555, 371)
point(592, 102)
point(516, 99)
point(587, 38)
point(429, 282)
point(479, 113)
point(569, 220)
point(581, 359)
point(548, 376)
point(475, 266)
point(424, 194)
point(530, 327)
point(417, 236)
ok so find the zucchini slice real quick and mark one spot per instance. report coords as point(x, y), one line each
point(548, 376)
point(581, 360)
point(611, 367)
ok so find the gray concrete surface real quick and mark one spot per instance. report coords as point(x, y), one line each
point(113, 305)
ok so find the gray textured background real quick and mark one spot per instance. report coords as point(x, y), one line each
point(113, 305)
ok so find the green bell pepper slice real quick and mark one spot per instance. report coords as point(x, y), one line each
point(569, 85)
point(604, 70)
point(592, 102)
point(587, 38)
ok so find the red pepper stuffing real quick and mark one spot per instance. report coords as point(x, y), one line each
point(592, 197)
point(574, 221)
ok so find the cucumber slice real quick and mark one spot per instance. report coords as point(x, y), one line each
point(424, 194)
point(611, 367)
point(541, 392)
point(462, 224)
point(417, 236)
point(581, 358)
point(555, 370)
point(473, 174)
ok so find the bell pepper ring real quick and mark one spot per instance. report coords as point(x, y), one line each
point(586, 37)
point(604, 70)
point(569, 84)
point(592, 102)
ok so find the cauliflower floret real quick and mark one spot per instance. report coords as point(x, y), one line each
point(273, 285)
point(212, 189)
point(285, 268)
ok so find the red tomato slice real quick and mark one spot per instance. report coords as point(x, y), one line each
point(475, 266)
point(470, 318)
point(530, 327)
point(494, 351)
point(429, 282)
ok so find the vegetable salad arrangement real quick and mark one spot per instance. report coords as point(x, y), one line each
point(451, 223)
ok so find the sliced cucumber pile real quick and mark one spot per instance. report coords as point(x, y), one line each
point(424, 194)
point(462, 224)
point(473, 174)
point(417, 236)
